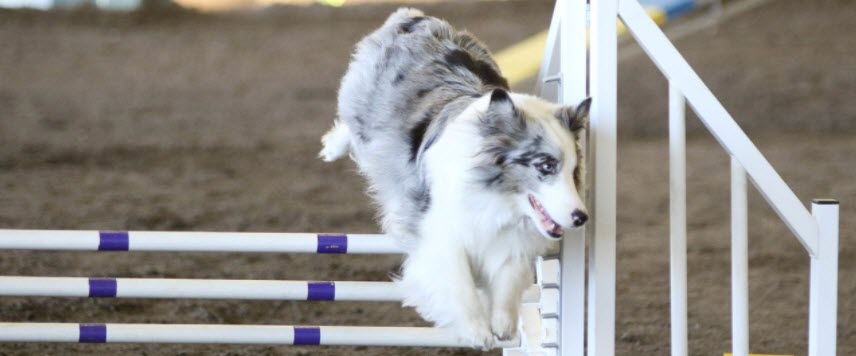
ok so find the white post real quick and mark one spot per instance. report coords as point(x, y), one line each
point(573, 69)
point(678, 220)
point(823, 297)
point(603, 80)
point(739, 261)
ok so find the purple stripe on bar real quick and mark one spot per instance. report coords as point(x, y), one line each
point(102, 287)
point(332, 243)
point(307, 335)
point(321, 291)
point(113, 241)
point(93, 333)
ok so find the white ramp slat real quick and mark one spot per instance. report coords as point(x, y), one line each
point(719, 122)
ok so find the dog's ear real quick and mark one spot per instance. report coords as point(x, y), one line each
point(575, 119)
point(501, 113)
point(500, 100)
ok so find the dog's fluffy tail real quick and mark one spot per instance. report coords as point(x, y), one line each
point(337, 142)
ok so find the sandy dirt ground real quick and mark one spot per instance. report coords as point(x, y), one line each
point(176, 121)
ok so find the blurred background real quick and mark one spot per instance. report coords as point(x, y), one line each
point(207, 114)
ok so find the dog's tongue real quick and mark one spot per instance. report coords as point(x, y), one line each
point(552, 228)
point(556, 230)
point(547, 223)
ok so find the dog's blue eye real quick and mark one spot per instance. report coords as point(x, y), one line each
point(547, 167)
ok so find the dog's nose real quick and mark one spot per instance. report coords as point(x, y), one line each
point(579, 218)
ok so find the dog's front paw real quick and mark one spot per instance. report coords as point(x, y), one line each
point(477, 332)
point(503, 324)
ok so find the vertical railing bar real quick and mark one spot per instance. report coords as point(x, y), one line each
point(603, 81)
point(739, 261)
point(678, 220)
point(573, 70)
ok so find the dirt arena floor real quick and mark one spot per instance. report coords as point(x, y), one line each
point(176, 121)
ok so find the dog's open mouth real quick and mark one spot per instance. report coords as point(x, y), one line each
point(547, 223)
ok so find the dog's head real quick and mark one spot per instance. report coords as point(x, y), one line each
point(532, 152)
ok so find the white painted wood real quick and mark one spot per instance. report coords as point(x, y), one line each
point(573, 292)
point(567, 40)
point(548, 272)
point(823, 294)
point(573, 51)
point(603, 81)
point(549, 303)
point(739, 261)
point(719, 122)
point(530, 328)
point(550, 329)
point(550, 61)
point(678, 221)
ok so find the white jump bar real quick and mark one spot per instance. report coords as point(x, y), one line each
point(93, 240)
point(232, 334)
point(207, 289)
point(197, 288)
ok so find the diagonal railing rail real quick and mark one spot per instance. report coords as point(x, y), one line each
point(720, 123)
point(816, 230)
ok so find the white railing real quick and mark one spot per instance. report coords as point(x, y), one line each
point(565, 64)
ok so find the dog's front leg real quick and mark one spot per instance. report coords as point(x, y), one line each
point(507, 287)
point(460, 292)
point(438, 281)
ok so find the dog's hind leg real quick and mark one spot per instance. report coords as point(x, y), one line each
point(336, 142)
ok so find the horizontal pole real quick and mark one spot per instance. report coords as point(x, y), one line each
point(232, 334)
point(197, 288)
point(207, 289)
point(93, 240)
point(720, 123)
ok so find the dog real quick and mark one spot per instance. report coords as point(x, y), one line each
point(473, 180)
